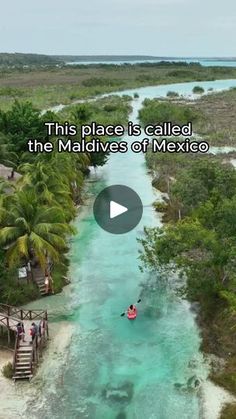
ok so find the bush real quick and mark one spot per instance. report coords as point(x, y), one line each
point(7, 370)
point(110, 108)
point(172, 94)
point(154, 111)
point(59, 273)
point(14, 293)
point(160, 206)
point(198, 90)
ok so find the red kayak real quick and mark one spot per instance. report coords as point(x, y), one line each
point(132, 315)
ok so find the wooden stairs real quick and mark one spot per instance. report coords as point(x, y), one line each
point(39, 279)
point(23, 368)
point(26, 354)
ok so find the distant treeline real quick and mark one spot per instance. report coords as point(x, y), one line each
point(97, 58)
point(31, 60)
point(19, 59)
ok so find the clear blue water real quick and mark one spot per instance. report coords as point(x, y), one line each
point(115, 368)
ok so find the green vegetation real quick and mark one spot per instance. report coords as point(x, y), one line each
point(15, 293)
point(108, 110)
point(38, 200)
point(19, 59)
point(156, 111)
point(160, 206)
point(171, 94)
point(198, 90)
point(229, 412)
point(7, 370)
point(49, 85)
point(198, 238)
point(218, 123)
point(212, 115)
point(199, 241)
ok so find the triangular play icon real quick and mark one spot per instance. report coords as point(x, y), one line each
point(116, 209)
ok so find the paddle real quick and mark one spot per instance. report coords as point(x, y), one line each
point(122, 314)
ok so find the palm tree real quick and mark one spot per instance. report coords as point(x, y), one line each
point(81, 114)
point(50, 184)
point(32, 228)
point(5, 189)
point(68, 167)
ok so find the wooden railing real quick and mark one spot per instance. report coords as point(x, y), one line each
point(17, 341)
point(34, 356)
point(8, 323)
point(37, 348)
point(23, 314)
point(10, 316)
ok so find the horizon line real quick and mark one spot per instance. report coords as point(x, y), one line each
point(124, 55)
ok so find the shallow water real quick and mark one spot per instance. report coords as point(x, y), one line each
point(116, 368)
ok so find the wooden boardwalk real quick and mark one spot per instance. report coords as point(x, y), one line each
point(27, 353)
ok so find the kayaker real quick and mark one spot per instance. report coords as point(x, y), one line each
point(131, 310)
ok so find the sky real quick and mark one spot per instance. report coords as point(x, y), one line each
point(119, 27)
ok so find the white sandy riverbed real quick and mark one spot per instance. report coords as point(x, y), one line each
point(15, 398)
point(12, 399)
point(213, 399)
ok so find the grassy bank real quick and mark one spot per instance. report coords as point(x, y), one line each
point(217, 124)
point(48, 86)
point(212, 115)
point(198, 236)
point(195, 238)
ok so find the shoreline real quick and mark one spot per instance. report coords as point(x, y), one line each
point(212, 396)
point(16, 398)
point(8, 391)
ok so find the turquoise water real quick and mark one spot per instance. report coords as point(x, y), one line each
point(115, 368)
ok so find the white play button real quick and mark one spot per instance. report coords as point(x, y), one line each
point(116, 209)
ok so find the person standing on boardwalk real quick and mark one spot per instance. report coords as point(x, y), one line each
point(20, 330)
point(42, 327)
point(33, 332)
